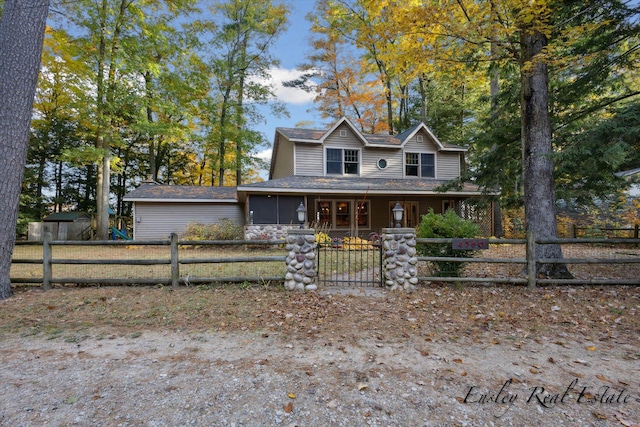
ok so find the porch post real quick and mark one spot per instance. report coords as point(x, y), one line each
point(300, 260)
point(399, 261)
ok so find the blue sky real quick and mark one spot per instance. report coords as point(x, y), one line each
point(291, 49)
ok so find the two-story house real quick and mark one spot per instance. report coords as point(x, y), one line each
point(348, 182)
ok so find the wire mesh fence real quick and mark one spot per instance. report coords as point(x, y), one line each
point(601, 261)
point(173, 262)
point(157, 262)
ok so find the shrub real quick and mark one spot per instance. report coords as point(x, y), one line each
point(447, 225)
point(224, 229)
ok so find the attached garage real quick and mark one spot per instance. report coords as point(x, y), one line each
point(159, 210)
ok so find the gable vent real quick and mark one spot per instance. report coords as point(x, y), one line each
point(343, 133)
point(419, 138)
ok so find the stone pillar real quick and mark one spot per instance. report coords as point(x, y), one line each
point(300, 260)
point(399, 261)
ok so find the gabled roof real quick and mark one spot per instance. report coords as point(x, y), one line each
point(182, 194)
point(413, 130)
point(318, 136)
point(297, 184)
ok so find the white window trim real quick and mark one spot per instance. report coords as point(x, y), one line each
point(359, 150)
point(404, 164)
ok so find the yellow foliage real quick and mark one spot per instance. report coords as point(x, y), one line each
point(323, 238)
point(356, 244)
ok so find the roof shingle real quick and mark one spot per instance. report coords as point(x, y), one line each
point(182, 192)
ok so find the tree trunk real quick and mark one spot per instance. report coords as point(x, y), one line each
point(21, 34)
point(153, 169)
point(105, 116)
point(223, 137)
point(389, 98)
point(537, 164)
point(423, 98)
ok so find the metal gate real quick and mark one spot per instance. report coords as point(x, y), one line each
point(350, 262)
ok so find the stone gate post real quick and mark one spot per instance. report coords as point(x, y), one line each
point(399, 261)
point(300, 260)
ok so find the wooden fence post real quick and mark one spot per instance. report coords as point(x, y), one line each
point(531, 260)
point(46, 262)
point(175, 265)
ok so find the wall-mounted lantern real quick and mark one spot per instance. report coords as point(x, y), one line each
point(397, 214)
point(302, 214)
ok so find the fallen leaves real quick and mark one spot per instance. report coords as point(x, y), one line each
point(288, 407)
point(441, 312)
point(599, 416)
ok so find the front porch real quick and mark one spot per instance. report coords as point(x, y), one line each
point(357, 216)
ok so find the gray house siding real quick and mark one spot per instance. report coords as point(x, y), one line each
point(158, 220)
point(370, 169)
point(309, 159)
point(343, 137)
point(426, 146)
point(448, 165)
point(284, 162)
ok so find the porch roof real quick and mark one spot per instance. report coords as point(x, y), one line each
point(342, 185)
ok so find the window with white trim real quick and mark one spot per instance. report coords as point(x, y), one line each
point(342, 161)
point(420, 164)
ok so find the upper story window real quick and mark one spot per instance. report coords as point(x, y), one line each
point(420, 164)
point(342, 161)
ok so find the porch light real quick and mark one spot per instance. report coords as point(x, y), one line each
point(397, 214)
point(302, 214)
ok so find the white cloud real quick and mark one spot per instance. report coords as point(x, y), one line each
point(265, 154)
point(288, 95)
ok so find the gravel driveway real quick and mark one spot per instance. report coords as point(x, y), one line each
point(267, 379)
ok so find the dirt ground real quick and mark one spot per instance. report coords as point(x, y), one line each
point(439, 356)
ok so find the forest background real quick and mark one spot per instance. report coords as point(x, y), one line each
point(176, 91)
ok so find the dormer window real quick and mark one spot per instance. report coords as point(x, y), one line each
point(420, 164)
point(343, 162)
